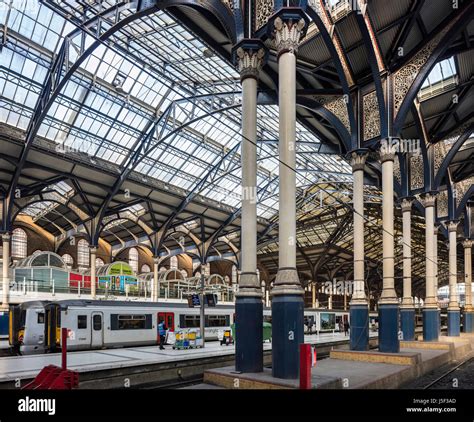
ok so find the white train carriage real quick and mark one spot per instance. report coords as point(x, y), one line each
point(35, 327)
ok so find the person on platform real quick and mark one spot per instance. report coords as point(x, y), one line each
point(162, 334)
point(346, 328)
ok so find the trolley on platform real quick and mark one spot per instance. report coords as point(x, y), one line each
point(188, 339)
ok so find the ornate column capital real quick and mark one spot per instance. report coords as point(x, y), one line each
point(6, 237)
point(467, 243)
point(406, 203)
point(287, 27)
point(428, 199)
point(358, 158)
point(249, 56)
point(156, 260)
point(93, 249)
point(387, 150)
point(452, 226)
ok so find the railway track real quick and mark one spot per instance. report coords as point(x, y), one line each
point(441, 378)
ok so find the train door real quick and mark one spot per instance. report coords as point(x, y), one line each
point(168, 318)
point(97, 334)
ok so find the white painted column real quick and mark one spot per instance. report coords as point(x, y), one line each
point(155, 285)
point(428, 202)
point(389, 295)
point(467, 244)
point(407, 301)
point(93, 255)
point(435, 259)
point(313, 295)
point(250, 60)
point(287, 36)
point(5, 267)
point(453, 304)
point(358, 163)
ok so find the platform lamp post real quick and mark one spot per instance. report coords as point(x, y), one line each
point(249, 55)
point(286, 27)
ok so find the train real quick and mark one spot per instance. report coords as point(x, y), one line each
point(35, 326)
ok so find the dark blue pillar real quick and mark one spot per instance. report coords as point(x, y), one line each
point(454, 318)
point(388, 328)
point(287, 335)
point(468, 323)
point(430, 324)
point(359, 327)
point(407, 322)
point(249, 334)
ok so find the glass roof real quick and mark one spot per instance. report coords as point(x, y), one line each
point(153, 73)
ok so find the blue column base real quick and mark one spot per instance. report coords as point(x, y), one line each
point(430, 324)
point(388, 328)
point(249, 334)
point(468, 323)
point(454, 323)
point(359, 327)
point(407, 322)
point(287, 335)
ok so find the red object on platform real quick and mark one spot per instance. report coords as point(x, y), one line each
point(305, 366)
point(52, 377)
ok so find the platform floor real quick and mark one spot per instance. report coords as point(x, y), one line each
point(20, 367)
point(351, 374)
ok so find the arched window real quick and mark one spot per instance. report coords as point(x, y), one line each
point(82, 254)
point(146, 268)
point(19, 243)
point(99, 262)
point(174, 262)
point(133, 259)
point(68, 260)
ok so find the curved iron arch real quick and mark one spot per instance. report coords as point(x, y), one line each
point(442, 171)
point(463, 17)
point(337, 63)
point(462, 205)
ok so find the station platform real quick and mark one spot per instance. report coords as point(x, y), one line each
point(143, 365)
point(357, 370)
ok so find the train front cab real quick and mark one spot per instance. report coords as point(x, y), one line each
point(52, 327)
point(15, 328)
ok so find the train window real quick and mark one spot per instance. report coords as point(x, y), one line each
point(82, 321)
point(217, 320)
point(40, 317)
point(131, 322)
point(189, 321)
point(97, 322)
